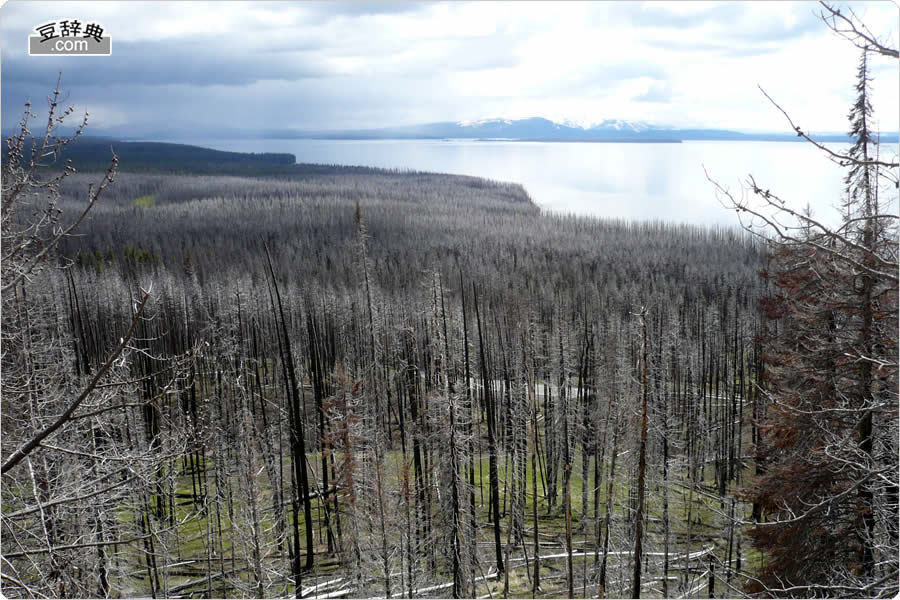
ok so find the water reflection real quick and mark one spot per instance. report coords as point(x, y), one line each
point(627, 181)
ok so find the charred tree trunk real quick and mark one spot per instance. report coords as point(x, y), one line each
point(492, 443)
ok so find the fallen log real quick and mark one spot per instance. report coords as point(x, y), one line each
point(320, 587)
point(672, 557)
point(443, 586)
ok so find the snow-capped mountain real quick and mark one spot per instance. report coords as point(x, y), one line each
point(606, 124)
point(620, 125)
point(545, 130)
point(483, 122)
point(540, 128)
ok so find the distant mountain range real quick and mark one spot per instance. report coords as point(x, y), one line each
point(533, 129)
point(545, 130)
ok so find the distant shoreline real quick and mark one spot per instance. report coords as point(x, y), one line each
point(677, 137)
point(598, 140)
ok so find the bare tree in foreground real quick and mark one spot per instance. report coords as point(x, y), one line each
point(70, 459)
point(828, 478)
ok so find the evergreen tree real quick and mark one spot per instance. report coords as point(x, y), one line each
point(829, 486)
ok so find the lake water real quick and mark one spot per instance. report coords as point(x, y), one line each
point(628, 181)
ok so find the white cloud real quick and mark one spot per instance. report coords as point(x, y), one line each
point(380, 64)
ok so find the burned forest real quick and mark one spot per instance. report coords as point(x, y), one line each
point(402, 384)
point(257, 379)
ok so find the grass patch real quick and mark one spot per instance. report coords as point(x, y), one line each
point(145, 201)
point(189, 538)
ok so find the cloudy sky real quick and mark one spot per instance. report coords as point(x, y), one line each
point(333, 65)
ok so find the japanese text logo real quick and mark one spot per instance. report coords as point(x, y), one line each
point(69, 37)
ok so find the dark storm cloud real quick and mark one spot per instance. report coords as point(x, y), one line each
point(191, 62)
point(157, 111)
point(283, 50)
point(252, 82)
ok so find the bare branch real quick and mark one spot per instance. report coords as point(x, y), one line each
point(841, 159)
point(17, 583)
point(77, 546)
point(28, 267)
point(35, 441)
point(784, 235)
point(854, 30)
point(28, 511)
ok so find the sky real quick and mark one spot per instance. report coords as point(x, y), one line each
point(193, 67)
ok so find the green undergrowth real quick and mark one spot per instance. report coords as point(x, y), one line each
point(190, 537)
point(146, 201)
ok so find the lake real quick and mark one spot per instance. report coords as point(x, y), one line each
point(627, 181)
